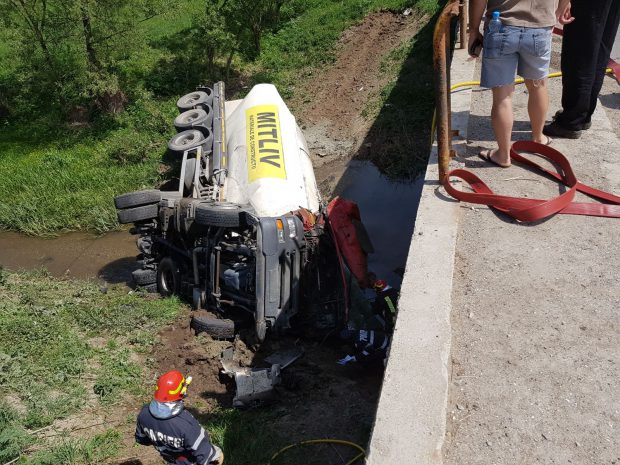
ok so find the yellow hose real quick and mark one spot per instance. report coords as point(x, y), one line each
point(477, 83)
point(361, 455)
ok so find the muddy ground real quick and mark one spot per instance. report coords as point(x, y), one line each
point(317, 398)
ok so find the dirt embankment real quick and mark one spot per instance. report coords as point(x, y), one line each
point(331, 106)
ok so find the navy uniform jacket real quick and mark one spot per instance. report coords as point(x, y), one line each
point(179, 438)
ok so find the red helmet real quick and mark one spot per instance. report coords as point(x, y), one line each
point(171, 386)
point(379, 285)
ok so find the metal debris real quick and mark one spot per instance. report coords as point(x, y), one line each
point(254, 385)
point(285, 357)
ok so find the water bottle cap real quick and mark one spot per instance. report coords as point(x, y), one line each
point(496, 15)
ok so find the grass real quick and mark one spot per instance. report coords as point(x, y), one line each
point(402, 111)
point(64, 344)
point(63, 179)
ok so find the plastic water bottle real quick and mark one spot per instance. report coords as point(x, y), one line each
point(495, 24)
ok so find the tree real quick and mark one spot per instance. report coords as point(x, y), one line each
point(247, 20)
point(69, 49)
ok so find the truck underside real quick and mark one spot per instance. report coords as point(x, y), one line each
point(243, 233)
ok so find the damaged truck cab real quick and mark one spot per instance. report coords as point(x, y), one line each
point(237, 230)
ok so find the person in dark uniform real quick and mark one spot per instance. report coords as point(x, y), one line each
point(172, 430)
point(370, 347)
point(385, 303)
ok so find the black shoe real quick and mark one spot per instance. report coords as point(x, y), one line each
point(584, 126)
point(554, 129)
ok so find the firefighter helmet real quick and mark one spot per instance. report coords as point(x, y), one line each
point(171, 386)
point(379, 285)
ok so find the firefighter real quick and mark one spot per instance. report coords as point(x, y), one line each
point(385, 303)
point(172, 430)
point(371, 347)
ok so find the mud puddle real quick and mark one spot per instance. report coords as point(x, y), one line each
point(110, 257)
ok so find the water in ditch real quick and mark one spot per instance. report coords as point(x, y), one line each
point(388, 211)
point(110, 257)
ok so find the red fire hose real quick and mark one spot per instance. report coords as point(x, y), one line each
point(526, 209)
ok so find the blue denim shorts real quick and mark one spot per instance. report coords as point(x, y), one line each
point(525, 51)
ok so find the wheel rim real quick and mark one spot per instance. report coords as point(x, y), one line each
point(167, 280)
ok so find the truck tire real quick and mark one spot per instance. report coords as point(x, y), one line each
point(220, 214)
point(168, 277)
point(133, 215)
point(186, 140)
point(218, 329)
point(196, 99)
point(144, 276)
point(136, 199)
point(150, 288)
point(195, 119)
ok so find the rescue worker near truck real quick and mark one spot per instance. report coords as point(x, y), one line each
point(172, 430)
point(385, 303)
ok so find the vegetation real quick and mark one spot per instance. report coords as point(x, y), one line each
point(70, 354)
point(401, 112)
point(64, 345)
point(89, 117)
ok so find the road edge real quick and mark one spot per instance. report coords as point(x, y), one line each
point(410, 421)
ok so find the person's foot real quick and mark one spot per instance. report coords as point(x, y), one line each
point(544, 140)
point(491, 157)
point(555, 129)
point(584, 126)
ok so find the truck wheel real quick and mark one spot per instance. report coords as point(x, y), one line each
point(195, 119)
point(186, 140)
point(221, 214)
point(196, 99)
point(150, 288)
point(168, 277)
point(144, 276)
point(133, 215)
point(219, 329)
point(136, 199)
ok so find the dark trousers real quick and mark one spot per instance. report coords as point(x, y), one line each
point(586, 47)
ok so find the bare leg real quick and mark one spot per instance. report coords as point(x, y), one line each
point(537, 106)
point(502, 119)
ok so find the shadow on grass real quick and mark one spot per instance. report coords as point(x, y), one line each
point(398, 141)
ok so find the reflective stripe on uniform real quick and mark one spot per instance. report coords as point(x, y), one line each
point(201, 436)
point(390, 304)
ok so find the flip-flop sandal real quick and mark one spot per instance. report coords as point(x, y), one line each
point(486, 156)
point(549, 140)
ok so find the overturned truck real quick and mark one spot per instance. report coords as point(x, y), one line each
point(244, 229)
